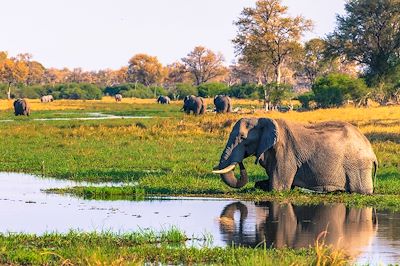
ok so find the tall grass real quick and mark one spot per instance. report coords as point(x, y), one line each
point(144, 247)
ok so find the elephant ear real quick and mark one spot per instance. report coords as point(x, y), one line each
point(269, 136)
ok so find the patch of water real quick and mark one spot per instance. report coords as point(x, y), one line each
point(369, 235)
point(92, 116)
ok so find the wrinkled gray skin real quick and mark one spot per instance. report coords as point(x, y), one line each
point(223, 104)
point(349, 229)
point(47, 99)
point(163, 100)
point(324, 157)
point(118, 97)
point(194, 104)
point(21, 107)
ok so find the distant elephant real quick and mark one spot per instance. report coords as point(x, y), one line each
point(324, 157)
point(21, 107)
point(118, 97)
point(195, 104)
point(348, 229)
point(163, 99)
point(223, 104)
point(47, 98)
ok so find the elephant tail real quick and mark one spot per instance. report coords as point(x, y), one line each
point(375, 170)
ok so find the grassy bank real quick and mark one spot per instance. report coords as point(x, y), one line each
point(146, 247)
point(173, 154)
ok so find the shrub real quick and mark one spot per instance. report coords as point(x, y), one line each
point(247, 91)
point(332, 90)
point(181, 90)
point(305, 99)
point(278, 93)
point(213, 88)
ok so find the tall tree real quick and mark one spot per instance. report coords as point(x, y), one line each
point(145, 69)
point(268, 35)
point(369, 33)
point(177, 73)
point(204, 64)
point(13, 71)
point(267, 32)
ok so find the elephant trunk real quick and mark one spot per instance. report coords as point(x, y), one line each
point(230, 179)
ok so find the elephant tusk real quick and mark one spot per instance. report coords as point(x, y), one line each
point(225, 170)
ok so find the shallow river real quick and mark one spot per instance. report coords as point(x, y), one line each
point(369, 235)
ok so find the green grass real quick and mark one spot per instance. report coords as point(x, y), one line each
point(168, 247)
point(174, 153)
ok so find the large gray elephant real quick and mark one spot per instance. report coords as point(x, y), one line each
point(324, 157)
point(118, 97)
point(194, 104)
point(47, 98)
point(163, 99)
point(223, 104)
point(249, 224)
point(21, 107)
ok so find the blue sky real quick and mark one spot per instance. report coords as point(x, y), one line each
point(98, 34)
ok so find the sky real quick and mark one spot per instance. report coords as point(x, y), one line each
point(100, 34)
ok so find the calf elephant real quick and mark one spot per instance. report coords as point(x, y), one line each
point(163, 99)
point(348, 229)
point(324, 157)
point(118, 97)
point(223, 104)
point(194, 104)
point(47, 98)
point(21, 107)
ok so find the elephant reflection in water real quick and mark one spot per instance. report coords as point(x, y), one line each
point(285, 225)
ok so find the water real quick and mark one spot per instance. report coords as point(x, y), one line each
point(368, 235)
point(91, 116)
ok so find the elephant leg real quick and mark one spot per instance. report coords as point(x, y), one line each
point(360, 180)
point(282, 177)
point(263, 185)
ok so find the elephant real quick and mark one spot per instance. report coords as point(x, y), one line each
point(324, 157)
point(348, 229)
point(223, 104)
point(195, 104)
point(21, 107)
point(47, 98)
point(163, 99)
point(118, 97)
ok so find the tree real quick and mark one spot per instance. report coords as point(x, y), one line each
point(314, 62)
point(369, 33)
point(267, 35)
point(13, 71)
point(177, 73)
point(35, 73)
point(204, 64)
point(145, 69)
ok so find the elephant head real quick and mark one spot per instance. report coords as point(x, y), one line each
point(248, 137)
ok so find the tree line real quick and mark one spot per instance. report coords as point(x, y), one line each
point(358, 61)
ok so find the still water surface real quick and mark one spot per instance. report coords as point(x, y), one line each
point(369, 235)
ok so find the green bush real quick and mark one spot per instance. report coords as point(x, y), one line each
point(332, 90)
point(278, 93)
point(246, 91)
point(122, 88)
point(213, 88)
point(305, 99)
point(182, 90)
